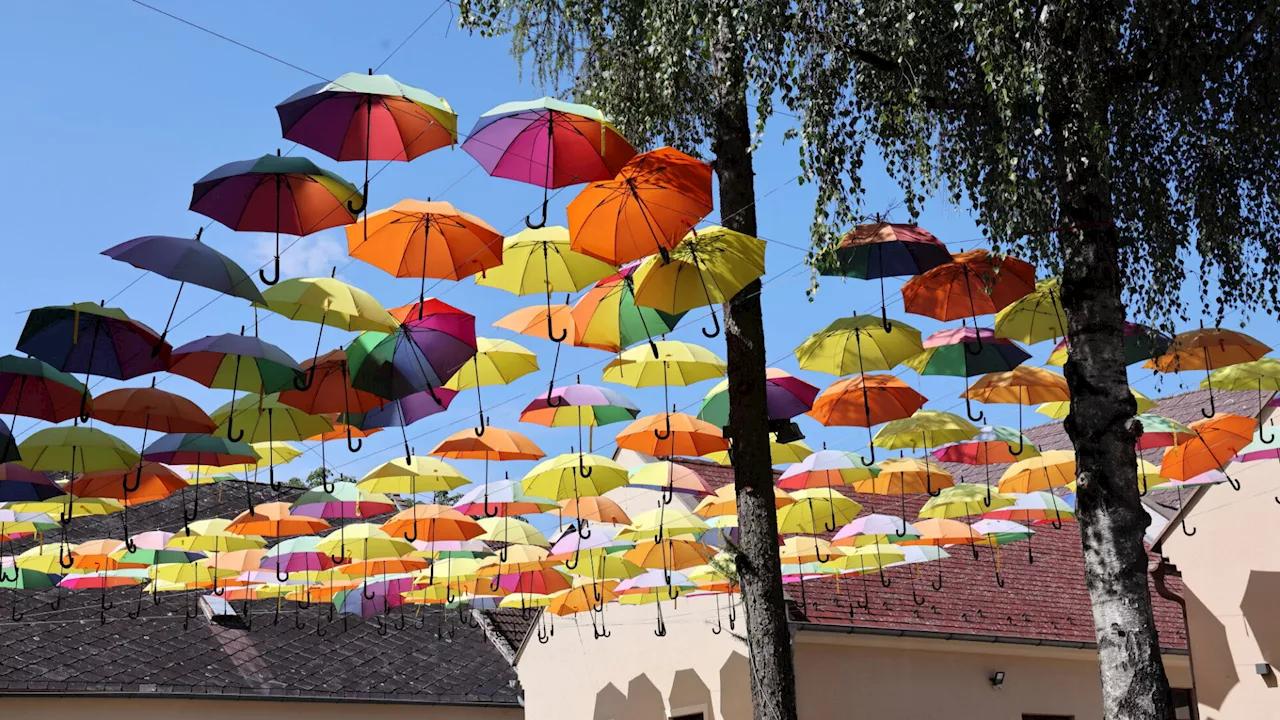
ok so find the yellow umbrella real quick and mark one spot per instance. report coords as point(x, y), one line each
point(1149, 477)
point(496, 362)
point(677, 363)
point(724, 502)
point(573, 476)
point(1059, 409)
point(219, 541)
point(522, 601)
point(189, 573)
point(801, 549)
point(1036, 317)
point(864, 558)
point(539, 260)
point(449, 569)
point(708, 267)
point(75, 449)
point(857, 345)
point(269, 420)
point(779, 453)
point(816, 510)
point(47, 559)
point(67, 506)
point(604, 566)
point(418, 475)
point(1053, 468)
point(964, 500)
point(511, 530)
point(269, 454)
point(328, 301)
point(666, 522)
point(359, 541)
point(923, 430)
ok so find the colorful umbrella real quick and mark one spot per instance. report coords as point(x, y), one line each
point(496, 445)
point(1023, 385)
point(814, 505)
point(579, 405)
point(235, 362)
point(198, 450)
point(725, 502)
point(327, 390)
point(708, 267)
point(558, 320)
point(879, 250)
point(874, 530)
point(992, 444)
point(608, 318)
point(275, 519)
point(1158, 431)
point(779, 453)
point(343, 500)
point(421, 356)
point(684, 435)
point(965, 353)
point(94, 340)
point(1053, 468)
point(1217, 440)
point(825, 469)
point(1141, 342)
point(866, 401)
point(496, 362)
point(671, 478)
point(1059, 409)
point(674, 363)
point(149, 482)
point(574, 476)
point(1206, 349)
point(403, 412)
point(34, 388)
point(903, 476)
point(17, 483)
point(974, 283)
point(1260, 375)
point(857, 345)
point(649, 206)
point(269, 421)
point(786, 397)
point(432, 523)
point(504, 498)
point(277, 194)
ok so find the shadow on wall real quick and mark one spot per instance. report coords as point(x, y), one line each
point(1261, 596)
point(1215, 667)
point(735, 688)
point(642, 701)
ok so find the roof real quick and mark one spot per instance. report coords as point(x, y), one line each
point(68, 651)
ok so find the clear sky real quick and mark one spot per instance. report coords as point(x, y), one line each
point(113, 110)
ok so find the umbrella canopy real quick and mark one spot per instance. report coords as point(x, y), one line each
point(146, 482)
point(1058, 410)
point(538, 261)
point(328, 301)
point(677, 363)
point(925, 429)
point(579, 406)
point(345, 500)
point(671, 477)
point(608, 318)
point(858, 345)
point(649, 206)
point(572, 476)
point(941, 532)
point(503, 498)
point(1141, 342)
point(669, 554)
point(152, 409)
point(432, 523)
point(9, 451)
point(236, 362)
point(779, 453)
point(900, 476)
point(75, 449)
point(17, 483)
point(964, 500)
point(403, 412)
point(1159, 431)
point(268, 419)
point(276, 520)
point(816, 510)
point(551, 322)
point(422, 355)
point(1207, 349)
point(672, 434)
point(34, 388)
point(826, 468)
point(724, 502)
point(513, 531)
point(496, 362)
point(422, 239)
point(1023, 385)
point(966, 352)
point(195, 449)
point(496, 444)
point(1217, 440)
point(1033, 507)
point(328, 388)
point(1263, 374)
point(974, 283)
point(786, 396)
point(187, 260)
point(709, 267)
point(290, 195)
point(1053, 468)
point(411, 476)
point(866, 400)
point(874, 529)
point(595, 509)
point(1036, 316)
point(881, 249)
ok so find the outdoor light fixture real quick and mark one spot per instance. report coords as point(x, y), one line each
point(1262, 668)
point(786, 431)
point(997, 680)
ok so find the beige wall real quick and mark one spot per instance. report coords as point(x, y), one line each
point(71, 708)
point(634, 675)
point(1232, 574)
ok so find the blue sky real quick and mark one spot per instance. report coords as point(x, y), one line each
point(114, 110)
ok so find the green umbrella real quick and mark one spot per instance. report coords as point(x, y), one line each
point(25, 580)
point(76, 449)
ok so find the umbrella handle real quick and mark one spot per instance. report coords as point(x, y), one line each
point(480, 430)
point(137, 482)
point(382, 626)
point(303, 382)
point(662, 626)
point(999, 580)
point(715, 324)
point(432, 392)
point(872, 461)
point(57, 600)
point(84, 405)
point(262, 274)
point(414, 536)
point(364, 203)
point(884, 317)
point(365, 592)
point(885, 580)
point(282, 577)
point(551, 331)
point(663, 435)
point(542, 222)
point(583, 470)
point(583, 531)
point(542, 635)
point(359, 443)
point(1021, 445)
point(65, 558)
point(916, 598)
point(233, 436)
point(968, 410)
point(137, 611)
point(978, 335)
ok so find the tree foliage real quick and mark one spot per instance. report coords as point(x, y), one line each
point(316, 477)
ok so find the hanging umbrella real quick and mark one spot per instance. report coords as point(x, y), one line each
point(150, 481)
point(277, 194)
point(1053, 468)
point(724, 502)
point(608, 318)
point(542, 322)
point(874, 529)
point(549, 143)
point(594, 509)
point(1036, 316)
point(1260, 375)
point(579, 406)
point(403, 412)
point(186, 260)
point(276, 520)
point(879, 250)
point(904, 476)
point(974, 283)
point(992, 444)
point(328, 391)
point(684, 435)
point(649, 206)
point(236, 363)
point(269, 421)
point(411, 476)
point(14, 523)
point(511, 531)
point(75, 450)
point(344, 500)
point(924, 430)
point(674, 363)
point(1217, 440)
point(815, 511)
point(965, 353)
point(1141, 342)
point(650, 588)
point(198, 450)
point(17, 483)
point(327, 301)
point(779, 453)
point(367, 117)
point(1059, 410)
point(421, 239)
point(670, 478)
point(536, 261)
point(786, 397)
point(496, 362)
point(963, 500)
point(151, 409)
point(504, 498)
point(34, 388)
point(708, 267)
point(1037, 508)
point(496, 444)
point(421, 356)
point(826, 469)
point(1158, 431)
point(432, 523)
point(1206, 349)
point(94, 340)
point(341, 430)
point(1023, 385)
point(866, 401)
point(857, 345)
point(563, 477)
point(375, 598)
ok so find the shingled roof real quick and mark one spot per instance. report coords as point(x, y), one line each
point(433, 660)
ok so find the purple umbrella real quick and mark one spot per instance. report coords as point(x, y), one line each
point(18, 484)
point(94, 340)
point(403, 412)
point(376, 596)
point(186, 260)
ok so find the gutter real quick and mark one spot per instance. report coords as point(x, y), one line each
point(1159, 575)
point(959, 637)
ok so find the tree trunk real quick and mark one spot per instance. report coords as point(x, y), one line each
point(1101, 423)
point(773, 691)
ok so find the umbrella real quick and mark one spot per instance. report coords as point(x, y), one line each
point(403, 413)
point(421, 239)
point(496, 362)
point(413, 475)
point(17, 483)
point(505, 498)
point(903, 476)
point(814, 505)
point(992, 444)
point(186, 260)
point(574, 476)
point(343, 500)
point(724, 502)
point(496, 444)
point(327, 301)
point(650, 587)
point(34, 388)
point(367, 117)
point(541, 261)
point(275, 519)
point(674, 363)
point(779, 453)
point(608, 318)
point(150, 481)
point(786, 396)
point(879, 250)
point(874, 529)
point(649, 206)
point(433, 523)
point(963, 500)
point(826, 468)
point(924, 430)
point(670, 478)
point(974, 283)
point(1217, 440)
point(269, 420)
point(290, 195)
point(1141, 342)
point(1262, 375)
point(421, 356)
point(198, 450)
point(94, 340)
point(965, 353)
point(684, 435)
point(1036, 316)
point(857, 345)
point(75, 449)
point(1059, 409)
point(1036, 507)
point(151, 409)
point(866, 401)
point(594, 509)
point(1206, 349)
point(1053, 468)
point(1158, 431)
point(542, 322)
point(579, 406)
point(236, 362)
point(1023, 385)
point(708, 267)
point(328, 391)
point(549, 143)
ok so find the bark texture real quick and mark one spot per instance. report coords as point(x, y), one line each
point(1101, 423)
point(773, 691)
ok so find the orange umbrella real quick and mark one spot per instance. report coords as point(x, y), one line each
point(941, 533)
point(1023, 385)
point(238, 560)
point(906, 476)
point(432, 523)
point(974, 283)
point(1207, 349)
point(425, 239)
point(532, 321)
point(151, 409)
point(383, 566)
point(672, 434)
point(327, 389)
point(583, 598)
point(495, 444)
point(670, 554)
point(341, 430)
point(275, 520)
point(595, 509)
point(866, 400)
point(144, 482)
point(96, 555)
point(648, 207)
point(725, 502)
point(1217, 440)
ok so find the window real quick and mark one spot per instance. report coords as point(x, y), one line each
point(1182, 703)
point(689, 716)
point(1047, 717)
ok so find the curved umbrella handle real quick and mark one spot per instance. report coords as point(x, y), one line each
point(938, 585)
point(303, 382)
point(283, 577)
point(233, 436)
point(359, 443)
point(543, 638)
point(13, 612)
point(872, 461)
point(662, 626)
point(84, 404)
point(552, 399)
point(978, 336)
point(573, 564)
point(551, 330)
point(661, 435)
point(884, 317)
point(414, 537)
point(583, 531)
point(483, 422)
point(583, 470)
point(262, 274)
point(365, 592)
point(137, 610)
point(999, 580)
point(968, 409)
point(432, 392)
point(542, 222)
point(57, 599)
point(885, 580)
point(364, 203)
point(715, 325)
point(137, 482)
point(65, 559)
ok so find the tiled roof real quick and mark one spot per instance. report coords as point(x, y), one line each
point(69, 651)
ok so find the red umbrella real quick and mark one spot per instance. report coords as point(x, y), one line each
point(34, 388)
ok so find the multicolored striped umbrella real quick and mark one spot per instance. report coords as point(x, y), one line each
point(608, 318)
point(966, 352)
point(34, 388)
point(420, 357)
point(786, 396)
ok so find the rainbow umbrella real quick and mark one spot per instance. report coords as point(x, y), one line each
point(967, 352)
point(290, 195)
point(34, 388)
point(608, 318)
point(786, 396)
point(236, 362)
point(421, 356)
point(879, 250)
